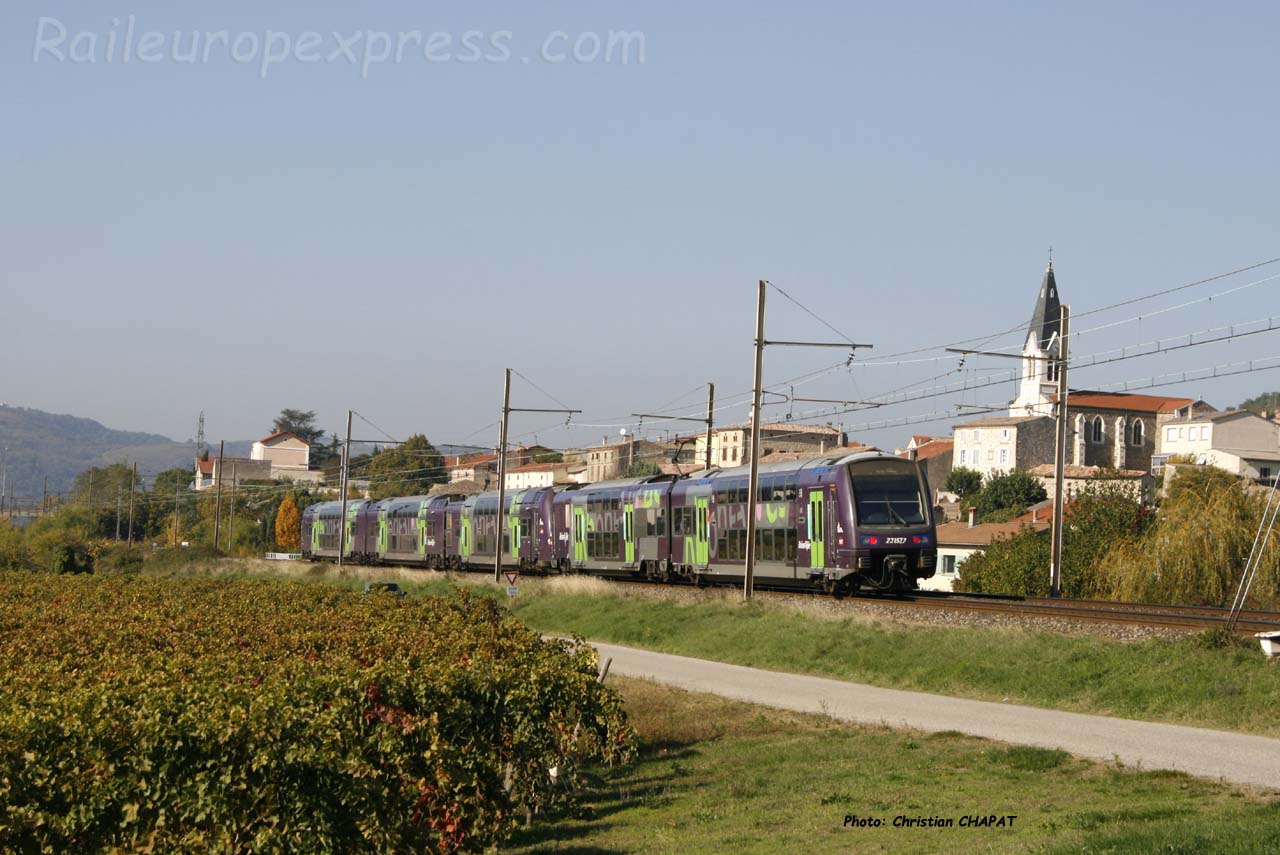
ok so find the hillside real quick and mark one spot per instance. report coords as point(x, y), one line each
point(43, 444)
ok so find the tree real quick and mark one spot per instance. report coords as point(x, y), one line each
point(97, 489)
point(1267, 402)
point(288, 522)
point(1100, 522)
point(549, 457)
point(641, 469)
point(409, 469)
point(963, 482)
point(1016, 489)
point(300, 423)
point(1196, 550)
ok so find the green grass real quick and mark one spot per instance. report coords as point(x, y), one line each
point(722, 776)
point(1182, 681)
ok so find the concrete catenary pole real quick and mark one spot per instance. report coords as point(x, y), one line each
point(217, 495)
point(502, 477)
point(342, 490)
point(753, 482)
point(231, 514)
point(711, 410)
point(132, 482)
point(1059, 457)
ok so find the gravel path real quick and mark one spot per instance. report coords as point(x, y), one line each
point(1233, 757)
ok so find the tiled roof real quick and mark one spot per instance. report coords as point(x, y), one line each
point(1001, 421)
point(281, 433)
point(791, 427)
point(549, 467)
point(962, 534)
point(474, 461)
point(1125, 401)
point(1212, 417)
point(1072, 470)
point(934, 448)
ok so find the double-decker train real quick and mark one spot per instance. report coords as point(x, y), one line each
point(842, 523)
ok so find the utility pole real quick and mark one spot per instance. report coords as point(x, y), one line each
point(44, 498)
point(502, 475)
point(91, 489)
point(709, 421)
point(1059, 457)
point(342, 490)
point(117, 514)
point(132, 482)
point(753, 481)
point(217, 493)
point(749, 571)
point(507, 410)
point(711, 414)
point(231, 517)
point(175, 515)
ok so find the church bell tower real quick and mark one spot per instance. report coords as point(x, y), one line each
point(1040, 376)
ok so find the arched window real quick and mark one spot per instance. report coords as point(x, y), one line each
point(1096, 435)
point(1135, 433)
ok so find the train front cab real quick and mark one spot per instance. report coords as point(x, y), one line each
point(893, 543)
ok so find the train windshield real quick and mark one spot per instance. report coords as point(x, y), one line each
point(887, 492)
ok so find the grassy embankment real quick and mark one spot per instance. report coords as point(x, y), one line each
point(1183, 681)
point(722, 776)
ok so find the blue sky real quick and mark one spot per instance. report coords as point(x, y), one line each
point(186, 236)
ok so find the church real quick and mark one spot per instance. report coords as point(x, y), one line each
point(1108, 430)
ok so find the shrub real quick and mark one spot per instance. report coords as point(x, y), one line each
point(1016, 489)
point(1197, 549)
point(139, 713)
point(963, 482)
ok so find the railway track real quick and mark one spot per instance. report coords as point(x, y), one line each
point(1188, 618)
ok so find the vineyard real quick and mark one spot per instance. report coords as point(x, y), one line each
point(163, 715)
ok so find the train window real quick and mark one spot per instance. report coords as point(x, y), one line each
point(887, 493)
point(661, 525)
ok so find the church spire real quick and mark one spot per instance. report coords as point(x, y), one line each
point(1048, 312)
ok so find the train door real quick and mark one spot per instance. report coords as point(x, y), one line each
point(465, 537)
point(513, 535)
point(579, 535)
point(350, 525)
point(629, 532)
point(382, 531)
point(817, 526)
point(424, 525)
point(317, 529)
point(701, 530)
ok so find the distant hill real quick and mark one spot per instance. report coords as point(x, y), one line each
point(60, 446)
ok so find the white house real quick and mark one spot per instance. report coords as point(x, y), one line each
point(533, 476)
point(1237, 441)
point(958, 540)
point(283, 450)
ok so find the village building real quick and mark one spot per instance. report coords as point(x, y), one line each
point(1236, 441)
point(1136, 483)
point(731, 444)
point(533, 476)
point(935, 455)
point(210, 471)
point(480, 469)
point(959, 540)
point(1116, 430)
